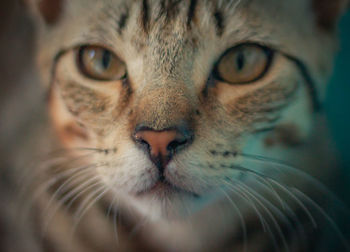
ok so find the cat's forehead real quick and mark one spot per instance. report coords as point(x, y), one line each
point(271, 21)
point(225, 15)
point(289, 26)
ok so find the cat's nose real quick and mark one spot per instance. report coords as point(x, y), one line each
point(162, 144)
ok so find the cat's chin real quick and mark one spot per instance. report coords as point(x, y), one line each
point(164, 190)
point(163, 201)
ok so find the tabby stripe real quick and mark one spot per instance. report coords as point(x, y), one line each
point(145, 15)
point(191, 12)
point(51, 10)
point(170, 9)
point(219, 22)
point(309, 81)
point(121, 24)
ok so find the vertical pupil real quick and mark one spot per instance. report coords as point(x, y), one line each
point(106, 59)
point(240, 60)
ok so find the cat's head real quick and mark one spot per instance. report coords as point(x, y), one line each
point(171, 93)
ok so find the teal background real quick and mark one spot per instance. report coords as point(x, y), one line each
point(338, 96)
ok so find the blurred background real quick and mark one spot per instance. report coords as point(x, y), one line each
point(338, 96)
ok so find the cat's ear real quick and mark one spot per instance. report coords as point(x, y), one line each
point(47, 10)
point(328, 12)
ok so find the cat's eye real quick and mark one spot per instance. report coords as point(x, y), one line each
point(243, 64)
point(100, 64)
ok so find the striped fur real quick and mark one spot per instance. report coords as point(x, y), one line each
point(228, 191)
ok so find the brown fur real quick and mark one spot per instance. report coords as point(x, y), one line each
point(51, 10)
point(170, 49)
point(327, 12)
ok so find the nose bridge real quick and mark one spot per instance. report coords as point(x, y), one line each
point(164, 107)
point(166, 98)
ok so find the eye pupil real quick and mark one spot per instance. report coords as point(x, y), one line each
point(240, 61)
point(106, 59)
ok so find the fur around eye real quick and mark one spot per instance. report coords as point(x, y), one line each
point(100, 64)
point(243, 64)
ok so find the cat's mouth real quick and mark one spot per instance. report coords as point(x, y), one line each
point(162, 188)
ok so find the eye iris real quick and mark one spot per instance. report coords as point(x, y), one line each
point(99, 63)
point(243, 64)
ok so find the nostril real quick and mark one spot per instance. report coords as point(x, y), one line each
point(177, 144)
point(144, 143)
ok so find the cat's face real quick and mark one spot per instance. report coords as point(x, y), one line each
point(173, 92)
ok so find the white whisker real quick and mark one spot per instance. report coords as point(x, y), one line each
point(261, 200)
point(243, 225)
point(301, 204)
point(325, 215)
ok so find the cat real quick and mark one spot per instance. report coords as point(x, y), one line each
point(185, 125)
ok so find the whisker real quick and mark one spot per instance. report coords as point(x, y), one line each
point(265, 224)
point(40, 189)
point(94, 196)
point(306, 210)
point(261, 199)
point(271, 171)
point(283, 168)
point(244, 192)
point(70, 150)
point(115, 229)
point(115, 213)
point(85, 205)
point(325, 215)
point(79, 191)
point(69, 180)
point(265, 183)
point(283, 188)
point(52, 212)
point(299, 228)
point(243, 225)
point(31, 175)
point(88, 202)
point(28, 175)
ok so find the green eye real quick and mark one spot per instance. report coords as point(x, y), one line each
point(100, 64)
point(243, 64)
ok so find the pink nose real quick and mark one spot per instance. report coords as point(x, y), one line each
point(158, 141)
point(161, 145)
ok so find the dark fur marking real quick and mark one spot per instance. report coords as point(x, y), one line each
point(310, 82)
point(209, 84)
point(327, 12)
point(287, 135)
point(213, 152)
point(169, 9)
point(145, 15)
point(256, 106)
point(82, 99)
point(121, 24)
point(51, 10)
point(226, 154)
point(219, 22)
point(191, 12)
